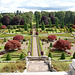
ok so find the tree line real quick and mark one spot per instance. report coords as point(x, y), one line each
point(19, 18)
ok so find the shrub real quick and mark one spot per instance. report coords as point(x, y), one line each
point(42, 43)
point(47, 41)
point(36, 33)
point(12, 45)
point(63, 56)
point(9, 31)
point(26, 43)
point(22, 56)
point(74, 55)
point(31, 32)
point(3, 27)
point(73, 26)
point(18, 37)
point(12, 31)
point(29, 52)
point(59, 38)
point(52, 37)
point(4, 39)
point(22, 42)
point(50, 55)
point(62, 44)
point(8, 57)
point(51, 45)
point(42, 53)
point(24, 39)
point(12, 28)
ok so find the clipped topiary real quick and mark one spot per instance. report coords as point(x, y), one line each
point(31, 32)
point(8, 57)
point(50, 55)
point(74, 55)
point(4, 39)
point(36, 33)
point(22, 56)
point(63, 56)
point(42, 43)
point(21, 42)
point(51, 45)
point(42, 53)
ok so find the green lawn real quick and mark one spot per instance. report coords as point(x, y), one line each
point(63, 35)
point(61, 66)
point(7, 35)
point(3, 64)
point(2, 48)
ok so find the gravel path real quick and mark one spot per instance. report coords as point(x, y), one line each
point(35, 50)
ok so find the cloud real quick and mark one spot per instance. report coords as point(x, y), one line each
point(39, 5)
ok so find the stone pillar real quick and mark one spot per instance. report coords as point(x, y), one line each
point(72, 67)
point(49, 60)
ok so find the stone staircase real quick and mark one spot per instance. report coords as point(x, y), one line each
point(38, 66)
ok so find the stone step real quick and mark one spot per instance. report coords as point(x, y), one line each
point(38, 67)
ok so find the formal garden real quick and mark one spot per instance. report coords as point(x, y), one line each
point(55, 38)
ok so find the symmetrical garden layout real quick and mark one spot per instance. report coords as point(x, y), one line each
point(14, 47)
point(44, 46)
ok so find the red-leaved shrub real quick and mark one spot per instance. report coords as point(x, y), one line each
point(73, 26)
point(3, 27)
point(52, 37)
point(36, 33)
point(31, 32)
point(42, 53)
point(18, 37)
point(12, 44)
point(62, 44)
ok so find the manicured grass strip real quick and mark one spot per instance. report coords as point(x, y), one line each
point(32, 47)
point(7, 35)
point(60, 66)
point(29, 45)
point(63, 35)
point(38, 46)
point(41, 45)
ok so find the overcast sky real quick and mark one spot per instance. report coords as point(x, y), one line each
point(36, 5)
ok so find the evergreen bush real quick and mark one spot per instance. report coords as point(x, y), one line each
point(50, 55)
point(63, 56)
point(74, 55)
point(51, 45)
point(22, 56)
point(4, 39)
point(8, 57)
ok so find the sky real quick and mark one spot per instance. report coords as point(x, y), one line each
point(36, 5)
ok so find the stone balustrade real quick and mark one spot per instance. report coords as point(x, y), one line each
point(72, 67)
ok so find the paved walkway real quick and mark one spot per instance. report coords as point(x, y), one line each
point(38, 66)
point(35, 50)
